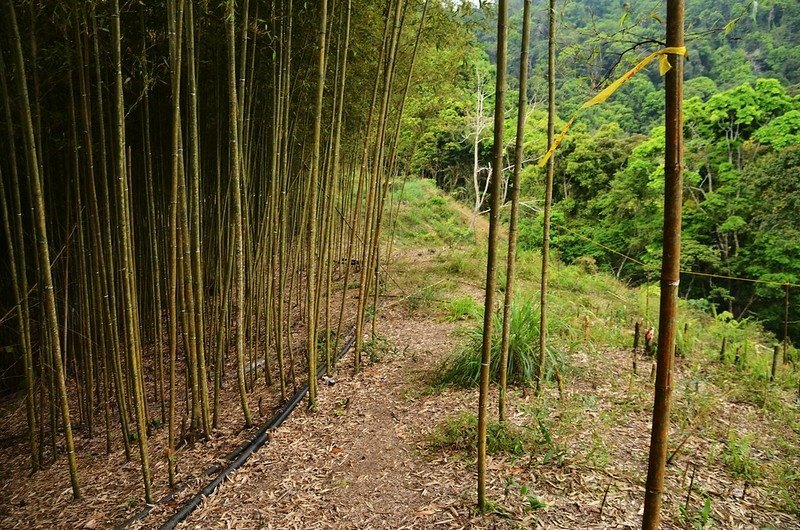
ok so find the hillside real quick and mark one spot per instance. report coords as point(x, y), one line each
point(391, 447)
point(740, 190)
point(246, 265)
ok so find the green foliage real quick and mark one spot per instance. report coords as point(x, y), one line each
point(741, 121)
point(460, 434)
point(427, 219)
point(739, 199)
point(737, 458)
point(702, 518)
point(788, 482)
point(464, 308)
point(463, 368)
point(462, 263)
point(781, 132)
point(534, 503)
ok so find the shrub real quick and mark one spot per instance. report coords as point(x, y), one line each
point(587, 264)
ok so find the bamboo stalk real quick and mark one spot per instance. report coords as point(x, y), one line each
point(236, 190)
point(42, 246)
point(491, 259)
point(19, 274)
point(548, 194)
point(670, 270)
point(511, 259)
point(126, 261)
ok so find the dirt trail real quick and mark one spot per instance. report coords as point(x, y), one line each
point(356, 462)
point(362, 461)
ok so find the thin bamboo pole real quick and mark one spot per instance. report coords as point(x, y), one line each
point(126, 260)
point(311, 283)
point(196, 254)
point(491, 258)
point(548, 194)
point(511, 259)
point(42, 246)
point(670, 270)
point(19, 274)
point(110, 282)
point(236, 190)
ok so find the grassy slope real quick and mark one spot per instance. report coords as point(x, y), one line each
point(736, 429)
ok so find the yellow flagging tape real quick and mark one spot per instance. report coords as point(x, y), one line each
point(663, 68)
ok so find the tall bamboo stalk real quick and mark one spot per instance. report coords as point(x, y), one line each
point(396, 140)
point(175, 15)
point(311, 283)
point(43, 248)
point(236, 190)
point(153, 232)
point(19, 273)
point(362, 183)
point(197, 254)
point(548, 194)
point(110, 281)
point(98, 263)
point(491, 258)
point(126, 260)
point(670, 270)
point(375, 173)
point(511, 259)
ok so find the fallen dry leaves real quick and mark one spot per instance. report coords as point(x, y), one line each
point(361, 460)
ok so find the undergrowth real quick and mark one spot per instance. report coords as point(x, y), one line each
point(431, 220)
point(737, 458)
point(463, 308)
point(460, 434)
point(462, 369)
point(590, 314)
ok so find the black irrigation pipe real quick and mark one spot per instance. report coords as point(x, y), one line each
point(236, 458)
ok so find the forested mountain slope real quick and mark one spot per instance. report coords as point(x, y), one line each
point(742, 126)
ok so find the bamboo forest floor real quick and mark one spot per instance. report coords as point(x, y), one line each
point(368, 457)
point(112, 492)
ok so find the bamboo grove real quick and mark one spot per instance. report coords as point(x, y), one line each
point(192, 201)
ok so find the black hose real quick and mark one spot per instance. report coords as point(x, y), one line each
point(238, 456)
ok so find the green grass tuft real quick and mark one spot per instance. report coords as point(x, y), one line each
point(460, 433)
point(737, 459)
point(463, 368)
point(464, 308)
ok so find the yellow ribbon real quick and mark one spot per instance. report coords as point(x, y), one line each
point(663, 68)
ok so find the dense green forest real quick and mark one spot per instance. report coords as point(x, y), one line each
point(742, 127)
